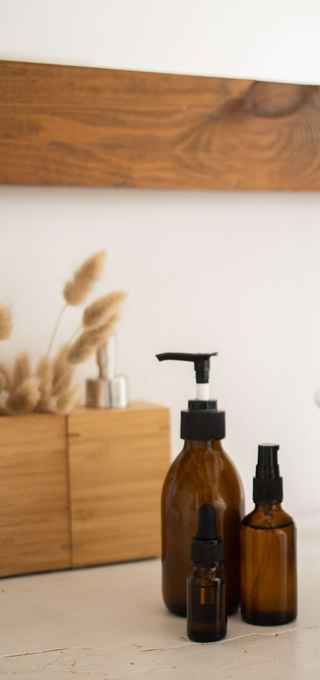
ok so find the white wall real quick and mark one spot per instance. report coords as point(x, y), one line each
point(276, 40)
point(238, 273)
point(234, 272)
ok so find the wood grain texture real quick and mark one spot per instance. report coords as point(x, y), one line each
point(34, 516)
point(70, 126)
point(118, 460)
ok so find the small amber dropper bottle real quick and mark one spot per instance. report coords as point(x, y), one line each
point(206, 593)
point(268, 549)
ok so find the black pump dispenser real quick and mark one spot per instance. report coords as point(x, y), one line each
point(207, 547)
point(202, 421)
point(267, 484)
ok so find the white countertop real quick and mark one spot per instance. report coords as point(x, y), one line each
point(109, 623)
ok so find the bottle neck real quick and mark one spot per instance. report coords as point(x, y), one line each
point(270, 506)
point(199, 445)
point(203, 570)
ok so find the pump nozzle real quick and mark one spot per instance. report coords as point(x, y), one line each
point(202, 421)
point(201, 362)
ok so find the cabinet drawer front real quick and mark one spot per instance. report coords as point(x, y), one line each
point(118, 460)
point(34, 514)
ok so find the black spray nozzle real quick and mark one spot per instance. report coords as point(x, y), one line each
point(267, 483)
point(201, 362)
point(207, 547)
point(267, 466)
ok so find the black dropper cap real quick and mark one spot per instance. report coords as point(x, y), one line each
point(202, 421)
point(267, 484)
point(207, 547)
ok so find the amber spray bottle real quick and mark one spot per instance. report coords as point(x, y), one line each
point(268, 549)
point(206, 591)
point(201, 474)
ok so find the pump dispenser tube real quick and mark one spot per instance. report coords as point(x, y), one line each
point(202, 474)
point(202, 392)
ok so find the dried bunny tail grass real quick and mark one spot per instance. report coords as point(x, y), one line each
point(5, 322)
point(100, 335)
point(89, 341)
point(68, 400)
point(77, 288)
point(45, 376)
point(25, 398)
point(102, 362)
point(60, 361)
point(84, 278)
point(102, 309)
point(4, 378)
point(21, 370)
point(45, 373)
point(62, 371)
point(50, 406)
point(64, 383)
point(81, 349)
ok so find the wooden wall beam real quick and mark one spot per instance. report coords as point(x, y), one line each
point(70, 126)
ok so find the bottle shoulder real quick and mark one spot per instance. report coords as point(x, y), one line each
point(268, 517)
point(213, 453)
point(201, 468)
point(230, 468)
point(174, 467)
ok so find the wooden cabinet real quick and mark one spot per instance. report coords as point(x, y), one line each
point(83, 489)
point(34, 497)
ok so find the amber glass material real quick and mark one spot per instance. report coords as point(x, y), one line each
point(206, 604)
point(268, 566)
point(202, 473)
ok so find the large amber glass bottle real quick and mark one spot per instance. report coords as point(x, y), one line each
point(202, 473)
point(268, 550)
